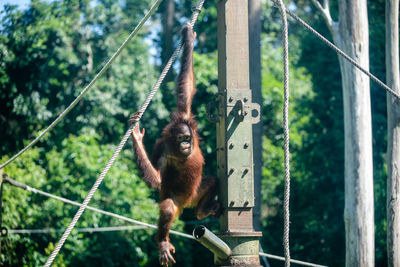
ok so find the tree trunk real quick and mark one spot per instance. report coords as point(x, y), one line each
point(393, 144)
point(352, 37)
point(167, 48)
point(255, 86)
point(167, 36)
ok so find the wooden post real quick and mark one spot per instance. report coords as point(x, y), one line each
point(234, 135)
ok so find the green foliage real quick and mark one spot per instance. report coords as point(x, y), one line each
point(272, 93)
point(376, 11)
point(70, 172)
point(207, 87)
point(318, 196)
point(317, 200)
point(50, 52)
point(300, 116)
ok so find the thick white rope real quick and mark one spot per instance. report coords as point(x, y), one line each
point(283, 10)
point(286, 210)
point(89, 86)
point(88, 198)
point(196, 11)
point(120, 146)
point(141, 224)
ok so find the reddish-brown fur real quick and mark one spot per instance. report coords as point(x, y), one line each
point(178, 176)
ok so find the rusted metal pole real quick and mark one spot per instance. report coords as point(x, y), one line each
point(234, 135)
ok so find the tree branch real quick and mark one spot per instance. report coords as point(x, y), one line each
point(326, 4)
point(324, 8)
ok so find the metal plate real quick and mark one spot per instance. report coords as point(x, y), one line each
point(235, 168)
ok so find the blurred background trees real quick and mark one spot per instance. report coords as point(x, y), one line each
point(50, 50)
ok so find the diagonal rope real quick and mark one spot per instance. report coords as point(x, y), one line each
point(343, 54)
point(38, 191)
point(88, 198)
point(89, 86)
point(120, 146)
point(196, 11)
point(286, 210)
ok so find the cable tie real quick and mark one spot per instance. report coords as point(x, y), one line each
point(196, 9)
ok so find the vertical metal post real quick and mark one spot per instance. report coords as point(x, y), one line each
point(234, 135)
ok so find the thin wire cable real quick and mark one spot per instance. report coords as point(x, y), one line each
point(90, 85)
point(65, 200)
point(291, 260)
point(79, 230)
point(119, 148)
point(264, 258)
point(38, 191)
point(343, 54)
point(286, 210)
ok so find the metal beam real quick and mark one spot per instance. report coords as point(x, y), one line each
point(234, 135)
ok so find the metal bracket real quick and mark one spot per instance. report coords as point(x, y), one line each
point(236, 167)
point(240, 102)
